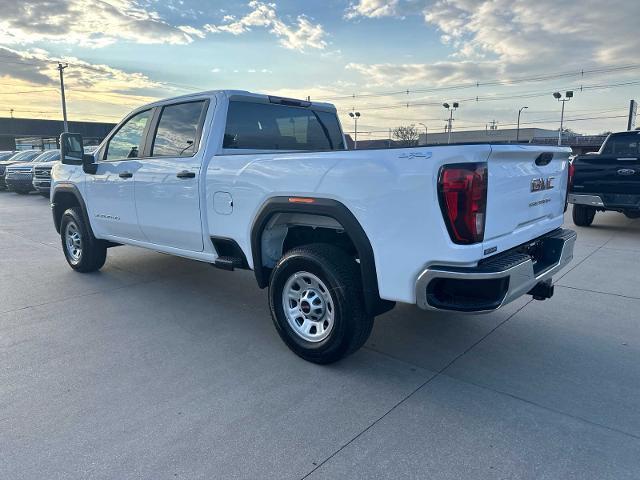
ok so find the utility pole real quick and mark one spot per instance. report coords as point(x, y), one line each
point(426, 132)
point(633, 109)
point(567, 96)
point(518, 129)
point(64, 102)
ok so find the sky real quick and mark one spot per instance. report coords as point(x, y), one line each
point(394, 61)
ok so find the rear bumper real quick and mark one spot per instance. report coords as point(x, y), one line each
point(607, 200)
point(497, 280)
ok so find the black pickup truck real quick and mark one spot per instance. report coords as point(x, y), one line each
point(607, 180)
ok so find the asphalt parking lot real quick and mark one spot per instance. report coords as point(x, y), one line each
point(164, 368)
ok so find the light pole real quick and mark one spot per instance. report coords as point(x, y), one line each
point(451, 108)
point(355, 116)
point(64, 103)
point(567, 96)
point(518, 129)
point(426, 131)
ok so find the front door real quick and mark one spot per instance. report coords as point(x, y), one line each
point(110, 192)
point(167, 185)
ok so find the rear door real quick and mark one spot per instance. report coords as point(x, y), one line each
point(526, 194)
point(167, 189)
point(615, 171)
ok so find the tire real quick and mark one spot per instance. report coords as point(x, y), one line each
point(583, 215)
point(632, 214)
point(83, 252)
point(328, 281)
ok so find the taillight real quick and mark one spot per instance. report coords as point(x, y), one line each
point(571, 171)
point(462, 190)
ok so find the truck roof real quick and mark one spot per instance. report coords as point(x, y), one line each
point(242, 94)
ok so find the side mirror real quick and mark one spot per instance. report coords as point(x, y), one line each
point(72, 152)
point(71, 149)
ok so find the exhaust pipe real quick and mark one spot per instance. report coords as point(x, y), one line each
point(542, 290)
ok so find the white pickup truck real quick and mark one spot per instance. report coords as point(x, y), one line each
point(248, 181)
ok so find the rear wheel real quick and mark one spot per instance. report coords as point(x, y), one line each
point(316, 302)
point(583, 215)
point(84, 252)
point(632, 214)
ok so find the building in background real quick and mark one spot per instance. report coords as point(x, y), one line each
point(27, 133)
point(489, 135)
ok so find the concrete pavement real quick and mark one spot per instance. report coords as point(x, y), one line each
point(161, 368)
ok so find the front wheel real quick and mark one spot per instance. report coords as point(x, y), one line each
point(316, 301)
point(583, 215)
point(84, 252)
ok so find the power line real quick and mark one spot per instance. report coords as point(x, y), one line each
point(497, 82)
point(496, 97)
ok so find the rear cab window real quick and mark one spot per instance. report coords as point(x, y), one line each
point(272, 126)
point(627, 143)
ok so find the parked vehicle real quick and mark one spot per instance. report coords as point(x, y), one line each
point(607, 180)
point(241, 180)
point(42, 171)
point(5, 155)
point(19, 157)
point(20, 176)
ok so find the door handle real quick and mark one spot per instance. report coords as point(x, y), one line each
point(185, 174)
point(125, 174)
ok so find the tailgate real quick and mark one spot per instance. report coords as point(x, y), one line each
point(607, 174)
point(526, 194)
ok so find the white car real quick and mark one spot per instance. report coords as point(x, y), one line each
point(241, 180)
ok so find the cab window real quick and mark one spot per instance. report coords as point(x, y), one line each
point(177, 130)
point(623, 144)
point(127, 142)
point(263, 126)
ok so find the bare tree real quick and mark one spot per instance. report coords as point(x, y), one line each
point(407, 136)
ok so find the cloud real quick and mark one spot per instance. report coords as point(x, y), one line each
point(94, 23)
point(439, 73)
point(298, 35)
point(384, 8)
point(511, 37)
point(37, 67)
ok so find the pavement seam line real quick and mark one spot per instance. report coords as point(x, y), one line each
point(416, 390)
point(544, 407)
point(597, 291)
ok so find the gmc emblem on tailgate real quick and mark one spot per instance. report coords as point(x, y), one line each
point(539, 184)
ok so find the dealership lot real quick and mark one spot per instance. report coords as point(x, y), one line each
point(159, 367)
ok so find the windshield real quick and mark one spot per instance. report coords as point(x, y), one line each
point(48, 156)
point(5, 155)
point(25, 156)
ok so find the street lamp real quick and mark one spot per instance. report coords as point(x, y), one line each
point(558, 96)
point(518, 129)
point(426, 131)
point(451, 109)
point(355, 116)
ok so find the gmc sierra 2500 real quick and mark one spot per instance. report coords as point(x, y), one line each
point(241, 180)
